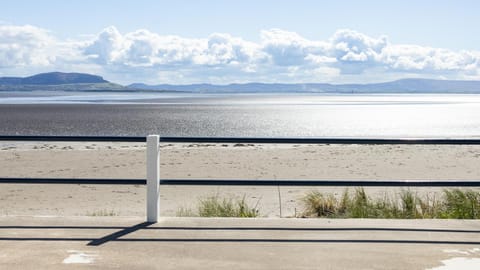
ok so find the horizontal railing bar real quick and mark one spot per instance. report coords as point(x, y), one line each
point(74, 138)
point(73, 181)
point(316, 140)
point(243, 182)
point(242, 140)
point(344, 183)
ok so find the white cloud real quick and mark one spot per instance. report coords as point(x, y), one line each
point(290, 49)
point(430, 60)
point(353, 46)
point(280, 56)
point(25, 45)
point(108, 46)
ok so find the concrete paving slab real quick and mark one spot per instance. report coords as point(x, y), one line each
point(227, 243)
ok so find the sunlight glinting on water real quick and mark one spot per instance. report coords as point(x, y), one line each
point(262, 115)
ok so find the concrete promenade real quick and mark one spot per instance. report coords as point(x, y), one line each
point(219, 243)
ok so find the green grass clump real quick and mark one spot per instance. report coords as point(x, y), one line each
point(321, 205)
point(102, 213)
point(358, 205)
point(461, 204)
point(186, 212)
point(456, 203)
point(214, 206)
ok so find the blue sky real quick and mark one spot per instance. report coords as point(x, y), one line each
point(242, 41)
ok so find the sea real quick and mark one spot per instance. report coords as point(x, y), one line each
point(240, 115)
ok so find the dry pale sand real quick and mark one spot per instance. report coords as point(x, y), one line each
point(224, 161)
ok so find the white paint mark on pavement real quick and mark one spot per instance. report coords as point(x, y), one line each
point(474, 250)
point(459, 263)
point(79, 257)
point(471, 251)
point(457, 251)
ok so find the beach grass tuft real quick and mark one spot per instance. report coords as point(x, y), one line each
point(453, 204)
point(102, 213)
point(186, 212)
point(214, 206)
point(461, 204)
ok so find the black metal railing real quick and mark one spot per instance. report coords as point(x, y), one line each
point(248, 182)
point(259, 140)
point(72, 138)
point(307, 140)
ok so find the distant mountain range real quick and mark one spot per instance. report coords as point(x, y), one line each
point(58, 81)
point(399, 86)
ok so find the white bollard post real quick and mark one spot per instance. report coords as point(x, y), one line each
point(153, 177)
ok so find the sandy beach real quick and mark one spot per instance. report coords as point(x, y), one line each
point(222, 161)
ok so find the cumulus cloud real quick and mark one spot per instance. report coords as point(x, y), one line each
point(147, 49)
point(25, 45)
point(290, 49)
point(279, 56)
point(352, 46)
point(107, 46)
point(429, 60)
point(27, 49)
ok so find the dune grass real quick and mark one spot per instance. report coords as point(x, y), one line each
point(453, 204)
point(102, 213)
point(450, 204)
point(214, 206)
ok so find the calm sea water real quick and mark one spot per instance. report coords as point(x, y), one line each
point(254, 115)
